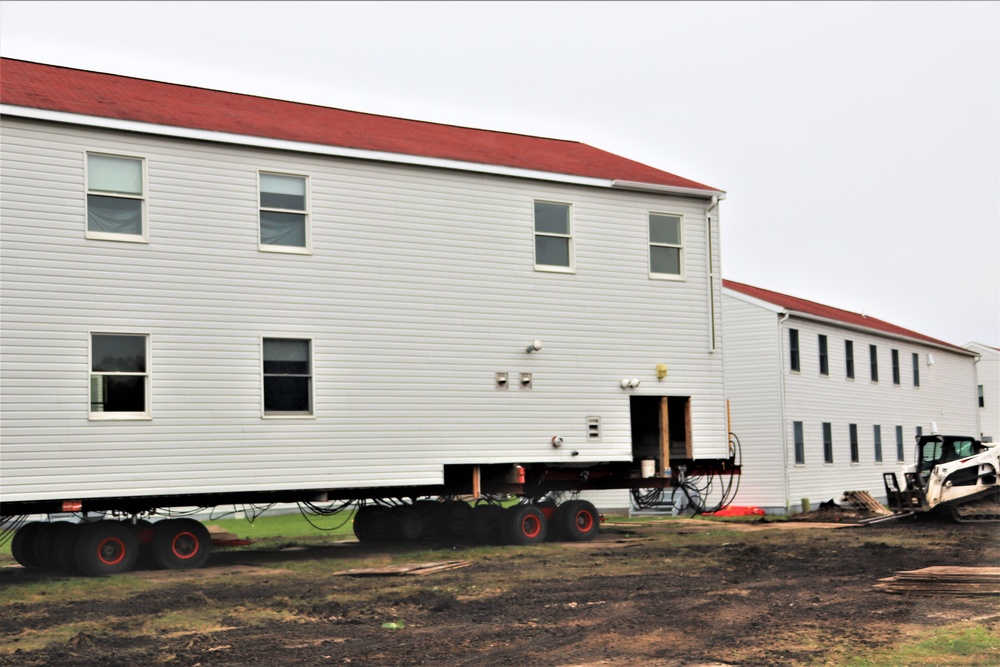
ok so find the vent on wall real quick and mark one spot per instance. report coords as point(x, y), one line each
point(593, 428)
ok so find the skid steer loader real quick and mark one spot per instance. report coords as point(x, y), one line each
point(954, 475)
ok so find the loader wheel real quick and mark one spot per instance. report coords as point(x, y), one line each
point(577, 521)
point(523, 524)
point(22, 547)
point(180, 544)
point(105, 548)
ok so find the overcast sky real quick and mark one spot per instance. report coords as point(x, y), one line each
point(859, 143)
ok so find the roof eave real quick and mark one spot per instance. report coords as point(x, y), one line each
point(878, 332)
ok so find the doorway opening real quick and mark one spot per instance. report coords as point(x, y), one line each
point(661, 429)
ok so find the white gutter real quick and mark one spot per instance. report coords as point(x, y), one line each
point(714, 195)
point(338, 151)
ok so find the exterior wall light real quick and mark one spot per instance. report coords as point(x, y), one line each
point(533, 346)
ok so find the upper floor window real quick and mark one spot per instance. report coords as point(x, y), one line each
point(119, 376)
point(115, 198)
point(793, 349)
point(873, 360)
point(916, 369)
point(284, 213)
point(895, 366)
point(849, 357)
point(824, 357)
point(553, 237)
point(287, 376)
point(666, 251)
point(982, 399)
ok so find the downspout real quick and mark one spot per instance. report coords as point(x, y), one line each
point(781, 409)
point(712, 279)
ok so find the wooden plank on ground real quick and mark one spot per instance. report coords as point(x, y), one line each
point(412, 569)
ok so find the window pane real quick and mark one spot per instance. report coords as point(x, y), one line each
point(664, 229)
point(117, 393)
point(800, 450)
point(284, 393)
point(118, 354)
point(283, 185)
point(665, 260)
point(551, 219)
point(114, 215)
point(286, 356)
point(114, 174)
point(287, 229)
point(551, 251)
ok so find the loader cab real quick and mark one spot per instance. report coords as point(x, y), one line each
point(933, 450)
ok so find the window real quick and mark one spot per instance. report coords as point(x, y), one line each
point(793, 349)
point(982, 400)
point(119, 378)
point(824, 359)
point(916, 369)
point(873, 356)
point(900, 452)
point(855, 455)
point(877, 433)
point(284, 215)
point(827, 443)
point(800, 447)
point(115, 198)
point(666, 256)
point(287, 376)
point(920, 431)
point(849, 356)
point(895, 367)
point(553, 237)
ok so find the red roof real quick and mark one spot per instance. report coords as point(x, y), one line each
point(797, 305)
point(38, 86)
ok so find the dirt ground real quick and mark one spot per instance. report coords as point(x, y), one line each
point(691, 593)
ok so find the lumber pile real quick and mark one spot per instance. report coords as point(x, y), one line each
point(864, 500)
point(413, 569)
point(944, 580)
point(223, 538)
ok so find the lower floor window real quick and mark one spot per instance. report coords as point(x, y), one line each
point(287, 376)
point(119, 378)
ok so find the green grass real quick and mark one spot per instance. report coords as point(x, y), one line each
point(963, 645)
point(291, 526)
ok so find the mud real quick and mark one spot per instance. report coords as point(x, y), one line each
point(680, 593)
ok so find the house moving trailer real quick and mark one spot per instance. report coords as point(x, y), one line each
point(211, 298)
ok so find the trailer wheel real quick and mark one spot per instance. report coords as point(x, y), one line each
point(47, 545)
point(523, 524)
point(408, 522)
point(180, 544)
point(577, 521)
point(22, 547)
point(457, 520)
point(104, 548)
point(64, 543)
point(486, 523)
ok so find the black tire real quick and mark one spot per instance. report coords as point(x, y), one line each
point(104, 548)
point(458, 520)
point(523, 524)
point(65, 548)
point(46, 545)
point(144, 530)
point(180, 544)
point(486, 523)
point(577, 521)
point(361, 524)
point(22, 547)
point(408, 522)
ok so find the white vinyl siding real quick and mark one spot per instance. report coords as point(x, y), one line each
point(421, 287)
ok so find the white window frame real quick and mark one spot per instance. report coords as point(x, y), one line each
point(554, 268)
point(312, 379)
point(147, 376)
point(264, 247)
point(109, 236)
point(680, 247)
